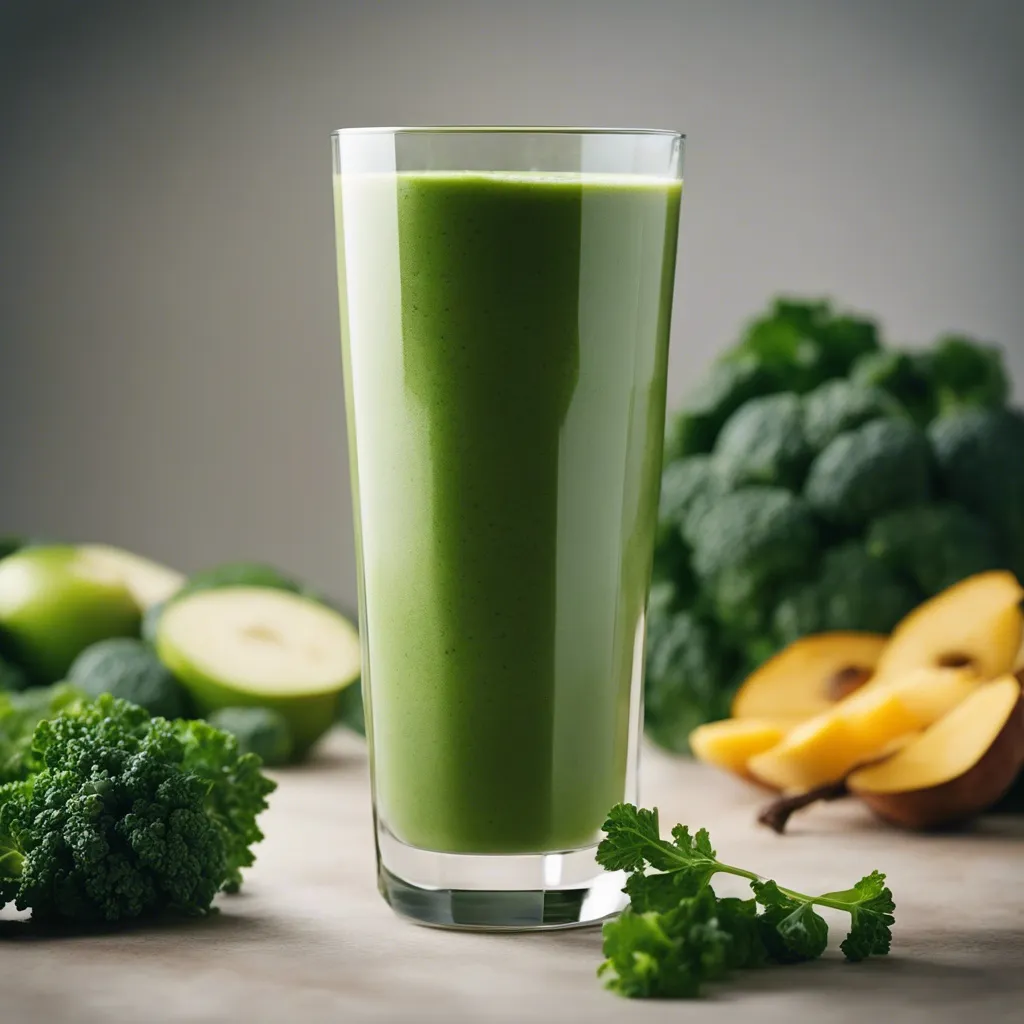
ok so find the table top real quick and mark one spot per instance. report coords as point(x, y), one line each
point(310, 940)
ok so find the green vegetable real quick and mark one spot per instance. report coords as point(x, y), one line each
point(981, 466)
point(727, 387)
point(129, 669)
point(867, 471)
point(260, 731)
point(240, 574)
point(20, 713)
point(840, 405)
point(968, 375)
point(932, 546)
point(12, 676)
point(9, 544)
point(851, 591)
point(808, 485)
point(745, 542)
point(350, 711)
point(906, 376)
point(683, 682)
point(763, 442)
point(677, 934)
point(120, 816)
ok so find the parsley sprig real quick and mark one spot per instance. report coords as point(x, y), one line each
point(677, 934)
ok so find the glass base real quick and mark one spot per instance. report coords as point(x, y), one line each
point(497, 892)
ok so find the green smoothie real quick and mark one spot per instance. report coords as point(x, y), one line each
point(505, 340)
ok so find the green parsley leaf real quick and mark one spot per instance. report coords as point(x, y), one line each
point(870, 906)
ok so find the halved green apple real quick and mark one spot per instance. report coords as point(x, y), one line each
point(258, 646)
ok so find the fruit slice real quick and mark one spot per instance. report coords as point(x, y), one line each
point(861, 728)
point(975, 623)
point(55, 601)
point(956, 769)
point(257, 646)
point(809, 676)
point(730, 744)
point(149, 582)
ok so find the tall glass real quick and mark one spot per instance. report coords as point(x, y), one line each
point(505, 302)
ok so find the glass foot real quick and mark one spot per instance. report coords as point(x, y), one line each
point(497, 892)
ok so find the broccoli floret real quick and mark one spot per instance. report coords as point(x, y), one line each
point(968, 374)
point(260, 731)
point(728, 385)
point(840, 405)
point(684, 484)
point(765, 531)
point(980, 454)
point(743, 544)
point(690, 679)
point(122, 816)
point(932, 545)
point(880, 466)
point(763, 443)
point(852, 591)
point(904, 375)
point(129, 669)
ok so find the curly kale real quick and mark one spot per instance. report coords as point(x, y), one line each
point(763, 442)
point(906, 376)
point(967, 374)
point(121, 816)
point(880, 466)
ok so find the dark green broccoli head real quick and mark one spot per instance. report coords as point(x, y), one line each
point(863, 473)
point(907, 376)
point(934, 546)
point(841, 405)
point(110, 826)
point(765, 532)
point(968, 374)
point(129, 669)
point(690, 679)
point(980, 455)
point(727, 386)
point(852, 590)
point(763, 442)
point(844, 340)
point(260, 731)
point(684, 485)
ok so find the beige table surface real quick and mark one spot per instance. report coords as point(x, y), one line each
point(310, 940)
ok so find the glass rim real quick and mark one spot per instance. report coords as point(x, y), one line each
point(471, 129)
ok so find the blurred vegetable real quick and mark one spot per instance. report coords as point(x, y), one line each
point(818, 480)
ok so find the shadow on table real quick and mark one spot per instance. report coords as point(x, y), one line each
point(215, 927)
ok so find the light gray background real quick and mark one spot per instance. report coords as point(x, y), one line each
point(169, 368)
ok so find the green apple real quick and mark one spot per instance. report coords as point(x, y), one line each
point(149, 581)
point(55, 602)
point(246, 646)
